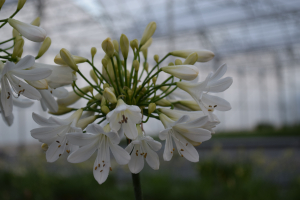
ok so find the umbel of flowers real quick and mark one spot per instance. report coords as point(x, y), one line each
point(120, 95)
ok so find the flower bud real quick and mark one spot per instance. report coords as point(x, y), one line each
point(103, 101)
point(1, 3)
point(124, 44)
point(145, 53)
point(134, 44)
point(178, 62)
point(20, 4)
point(78, 59)
point(45, 46)
point(104, 62)
point(108, 47)
point(105, 85)
point(146, 45)
point(185, 72)
point(156, 58)
point(73, 97)
point(44, 146)
point(83, 123)
point(190, 104)
point(109, 95)
point(61, 110)
point(68, 59)
point(154, 80)
point(15, 33)
point(163, 102)
point(130, 93)
point(93, 51)
point(136, 65)
point(36, 22)
point(98, 96)
point(105, 109)
point(20, 53)
point(19, 43)
point(148, 32)
point(146, 67)
point(151, 108)
point(116, 45)
point(33, 33)
point(171, 64)
point(203, 55)
point(191, 59)
point(93, 76)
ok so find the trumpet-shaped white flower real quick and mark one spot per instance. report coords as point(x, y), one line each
point(143, 147)
point(8, 76)
point(54, 133)
point(126, 117)
point(101, 140)
point(31, 32)
point(48, 101)
point(185, 72)
point(60, 76)
point(185, 134)
point(212, 84)
point(177, 114)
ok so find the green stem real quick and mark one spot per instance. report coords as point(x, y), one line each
point(7, 40)
point(116, 76)
point(125, 71)
point(9, 17)
point(96, 88)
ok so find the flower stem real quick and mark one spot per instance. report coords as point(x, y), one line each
point(137, 186)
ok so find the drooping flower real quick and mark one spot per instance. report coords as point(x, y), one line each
point(31, 32)
point(54, 133)
point(185, 134)
point(143, 147)
point(212, 84)
point(125, 116)
point(8, 76)
point(101, 140)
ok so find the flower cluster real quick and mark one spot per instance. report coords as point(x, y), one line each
point(120, 97)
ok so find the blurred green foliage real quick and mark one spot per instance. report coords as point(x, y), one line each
point(215, 180)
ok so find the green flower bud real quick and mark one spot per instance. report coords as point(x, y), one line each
point(151, 108)
point(93, 51)
point(178, 62)
point(191, 59)
point(171, 64)
point(108, 47)
point(109, 95)
point(21, 4)
point(146, 45)
point(134, 44)
point(68, 59)
point(136, 65)
point(148, 32)
point(156, 58)
point(105, 109)
point(93, 76)
point(44, 47)
point(36, 22)
point(116, 45)
point(124, 45)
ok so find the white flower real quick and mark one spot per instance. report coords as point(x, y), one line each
point(60, 76)
point(212, 84)
point(54, 133)
point(143, 147)
point(100, 140)
point(8, 76)
point(177, 114)
point(185, 135)
point(185, 72)
point(48, 100)
point(125, 116)
point(31, 32)
point(203, 55)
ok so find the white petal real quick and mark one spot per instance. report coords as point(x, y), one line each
point(47, 134)
point(101, 173)
point(22, 103)
point(155, 145)
point(82, 139)
point(135, 117)
point(43, 104)
point(55, 150)
point(130, 129)
point(152, 158)
point(182, 119)
point(164, 134)
point(195, 123)
point(189, 151)
point(26, 62)
point(220, 85)
point(6, 98)
point(197, 134)
point(42, 120)
point(7, 120)
point(114, 137)
point(222, 104)
point(94, 128)
point(168, 151)
point(60, 92)
point(218, 73)
point(7, 67)
point(83, 153)
point(185, 72)
point(136, 163)
point(49, 100)
point(32, 74)
point(120, 154)
point(24, 89)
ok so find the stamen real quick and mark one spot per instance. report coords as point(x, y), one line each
point(101, 170)
point(103, 161)
point(110, 169)
point(209, 110)
point(66, 143)
point(145, 155)
point(103, 165)
point(173, 149)
point(59, 146)
point(181, 155)
point(186, 144)
point(96, 168)
point(57, 141)
point(19, 85)
point(210, 106)
point(59, 155)
point(215, 106)
point(68, 151)
point(181, 150)
point(99, 165)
